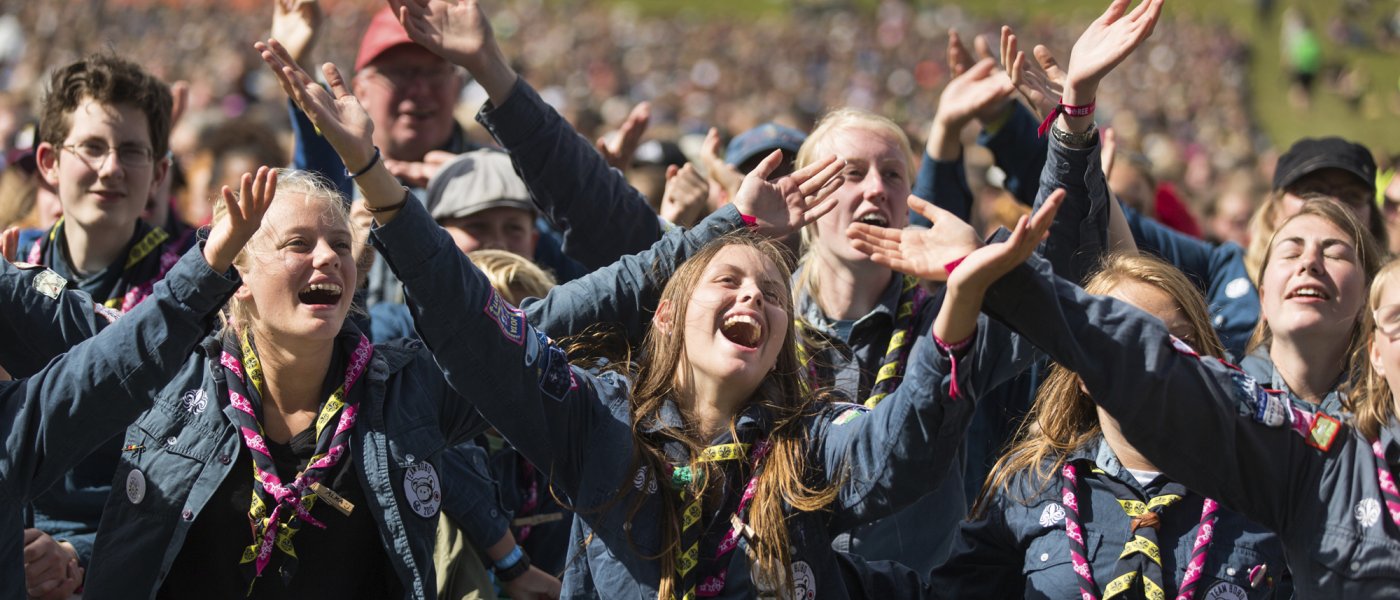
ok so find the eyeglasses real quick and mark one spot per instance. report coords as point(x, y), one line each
point(1388, 320)
point(130, 156)
point(404, 78)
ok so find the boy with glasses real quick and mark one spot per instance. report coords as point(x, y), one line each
point(104, 128)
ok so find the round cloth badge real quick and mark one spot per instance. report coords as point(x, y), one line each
point(135, 486)
point(804, 581)
point(1237, 288)
point(422, 489)
point(1225, 590)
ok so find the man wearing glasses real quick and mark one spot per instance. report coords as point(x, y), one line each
point(105, 128)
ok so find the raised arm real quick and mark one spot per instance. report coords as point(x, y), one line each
point(942, 179)
point(86, 396)
point(601, 215)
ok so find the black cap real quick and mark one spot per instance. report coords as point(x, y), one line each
point(1310, 155)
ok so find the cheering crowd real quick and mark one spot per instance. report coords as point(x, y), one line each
point(443, 358)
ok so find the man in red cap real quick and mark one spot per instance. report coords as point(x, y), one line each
point(409, 93)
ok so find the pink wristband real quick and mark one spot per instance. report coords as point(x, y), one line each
point(953, 264)
point(1062, 108)
point(952, 350)
point(750, 222)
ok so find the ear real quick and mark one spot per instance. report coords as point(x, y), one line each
point(158, 172)
point(1374, 352)
point(243, 294)
point(46, 156)
point(664, 319)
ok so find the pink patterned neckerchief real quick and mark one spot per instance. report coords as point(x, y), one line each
point(278, 509)
point(133, 286)
point(1074, 531)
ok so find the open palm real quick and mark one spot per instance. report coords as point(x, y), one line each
point(456, 30)
point(1110, 39)
point(336, 113)
point(782, 206)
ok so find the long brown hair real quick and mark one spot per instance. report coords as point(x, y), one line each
point(1368, 254)
point(1372, 400)
point(1063, 418)
point(784, 478)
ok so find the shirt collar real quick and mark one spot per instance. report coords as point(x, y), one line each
point(812, 313)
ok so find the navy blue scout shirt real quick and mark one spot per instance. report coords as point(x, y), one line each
point(71, 510)
point(1018, 547)
point(53, 418)
point(577, 425)
point(1211, 427)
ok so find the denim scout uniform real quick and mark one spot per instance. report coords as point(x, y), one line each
point(577, 425)
point(1019, 546)
point(1307, 476)
point(90, 393)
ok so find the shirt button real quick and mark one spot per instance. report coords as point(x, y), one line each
point(1231, 571)
point(494, 513)
point(1044, 556)
point(170, 441)
point(188, 515)
point(408, 457)
point(224, 459)
point(1355, 565)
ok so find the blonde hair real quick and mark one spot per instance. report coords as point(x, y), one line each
point(1372, 400)
point(1262, 227)
point(782, 481)
point(815, 147)
point(1368, 256)
point(514, 277)
point(1064, 419)
point(290, 182)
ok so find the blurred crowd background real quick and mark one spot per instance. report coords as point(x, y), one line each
point(1203, 108)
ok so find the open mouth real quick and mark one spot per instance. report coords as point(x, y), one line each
point(743, 330)
point(1309, 291)
point(320, 294)
point(875, 219)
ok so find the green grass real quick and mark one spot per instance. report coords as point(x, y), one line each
point(1375, 124)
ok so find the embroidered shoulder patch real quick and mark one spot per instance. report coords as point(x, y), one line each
point(1323, 432)
point(556, 378)
point(510, 319)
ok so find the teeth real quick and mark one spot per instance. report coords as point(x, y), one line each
point(323, 287)
point(1309, 292)
point(746, 335)
point(873, 219)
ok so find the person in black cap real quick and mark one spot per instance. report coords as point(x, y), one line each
point(1329, 168)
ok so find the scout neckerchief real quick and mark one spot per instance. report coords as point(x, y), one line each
point(891, 372)
point(1141, 558)
point(1389, 493)
point(683, 480)
point(144, 265)
point(278, 509)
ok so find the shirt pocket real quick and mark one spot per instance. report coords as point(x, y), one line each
point(1228, 572)
point(1356, 555)
point(1049, 567)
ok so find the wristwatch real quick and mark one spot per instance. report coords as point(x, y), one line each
point(1075, 140)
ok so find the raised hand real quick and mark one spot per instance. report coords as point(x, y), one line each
point(9, 244)
point(244, 216)
point(337, 114)
point(297, 24)
point(928, 253)
point(781, 207)
point(459, 31)
point(1107, 41)
point(419, 173)
point(959, 60)
point(685, 195)
point(618, 149)
point(1041, 82)
point(975, 93)
point(716, 169)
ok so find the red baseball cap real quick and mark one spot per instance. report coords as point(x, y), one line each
point(383, 34)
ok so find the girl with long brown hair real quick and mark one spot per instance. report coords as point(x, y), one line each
point(1021, 534)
